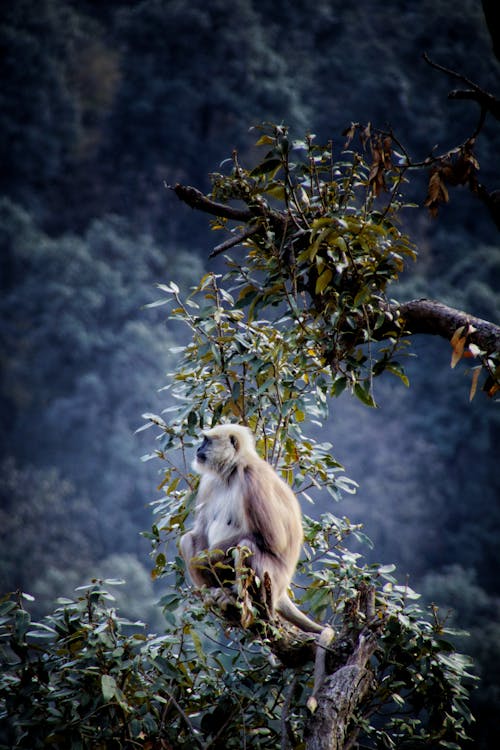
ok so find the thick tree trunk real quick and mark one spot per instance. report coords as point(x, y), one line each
point(328, 727)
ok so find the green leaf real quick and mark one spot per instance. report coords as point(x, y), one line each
point(108, 687)
point(339, 386)
point(192, 421)
point(362, 296)
point(160, 560)
point(267, 166)
point(384, 569)
point(398, 371)
point(197, 644)
point(364, 395)
point(323, 280)
point(276, 190)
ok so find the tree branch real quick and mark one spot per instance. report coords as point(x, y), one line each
point(486, 101)
point(340, 694)
point(232, 241)
point(434, 318)
point(342, 675)
point(450, 72)
point(339, 697)
point(195, 199)
point(198, 201)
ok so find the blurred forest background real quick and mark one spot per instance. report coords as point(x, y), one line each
point(100, 103)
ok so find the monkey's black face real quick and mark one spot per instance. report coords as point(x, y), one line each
point(201, 453)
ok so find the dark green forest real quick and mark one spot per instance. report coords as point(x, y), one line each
point(102, 104)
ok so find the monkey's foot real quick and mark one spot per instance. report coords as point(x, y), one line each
point(220, 599)
point(235, 610)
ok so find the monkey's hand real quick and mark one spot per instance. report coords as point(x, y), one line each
point(219, 598)
point(236, 610)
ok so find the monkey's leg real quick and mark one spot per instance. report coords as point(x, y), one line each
point(287, 609)
point(199, 565)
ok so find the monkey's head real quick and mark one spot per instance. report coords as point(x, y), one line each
point(223, 448)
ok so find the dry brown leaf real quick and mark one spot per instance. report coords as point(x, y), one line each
point(436, 192)
point(457, 342)
point(456, 335)
point(350, 132)
point(475, 378)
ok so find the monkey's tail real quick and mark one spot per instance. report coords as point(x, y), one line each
point(287, 609)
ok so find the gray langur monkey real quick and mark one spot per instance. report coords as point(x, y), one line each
point(242, 502)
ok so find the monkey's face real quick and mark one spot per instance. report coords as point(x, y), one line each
point(201, 453)
point(217, 453)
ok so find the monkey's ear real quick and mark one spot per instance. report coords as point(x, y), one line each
point(234, 442)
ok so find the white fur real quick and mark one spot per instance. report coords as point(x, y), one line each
point(222, 507)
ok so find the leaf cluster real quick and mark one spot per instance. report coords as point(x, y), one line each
point(322, 248)
point(77, 679)
point(252, 371)
point(86, 678)
point(421, 683)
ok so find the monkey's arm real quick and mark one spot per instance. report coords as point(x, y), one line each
point(188, 552)
point(191, 544)
point(263, 508)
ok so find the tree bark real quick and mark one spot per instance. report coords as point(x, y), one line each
point(490, 9)
point(434, 318)
point(328, 727)
point(198, 201)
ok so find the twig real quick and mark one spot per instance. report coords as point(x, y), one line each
point(486, 101)
point(448, 71)
point(232, 241)
point(187, 721)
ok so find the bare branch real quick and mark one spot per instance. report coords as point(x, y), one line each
point(450, 72)
point(486, 101)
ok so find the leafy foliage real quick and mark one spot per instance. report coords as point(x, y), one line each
point(324, 261)
point(86, 678)
point(82, 678)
